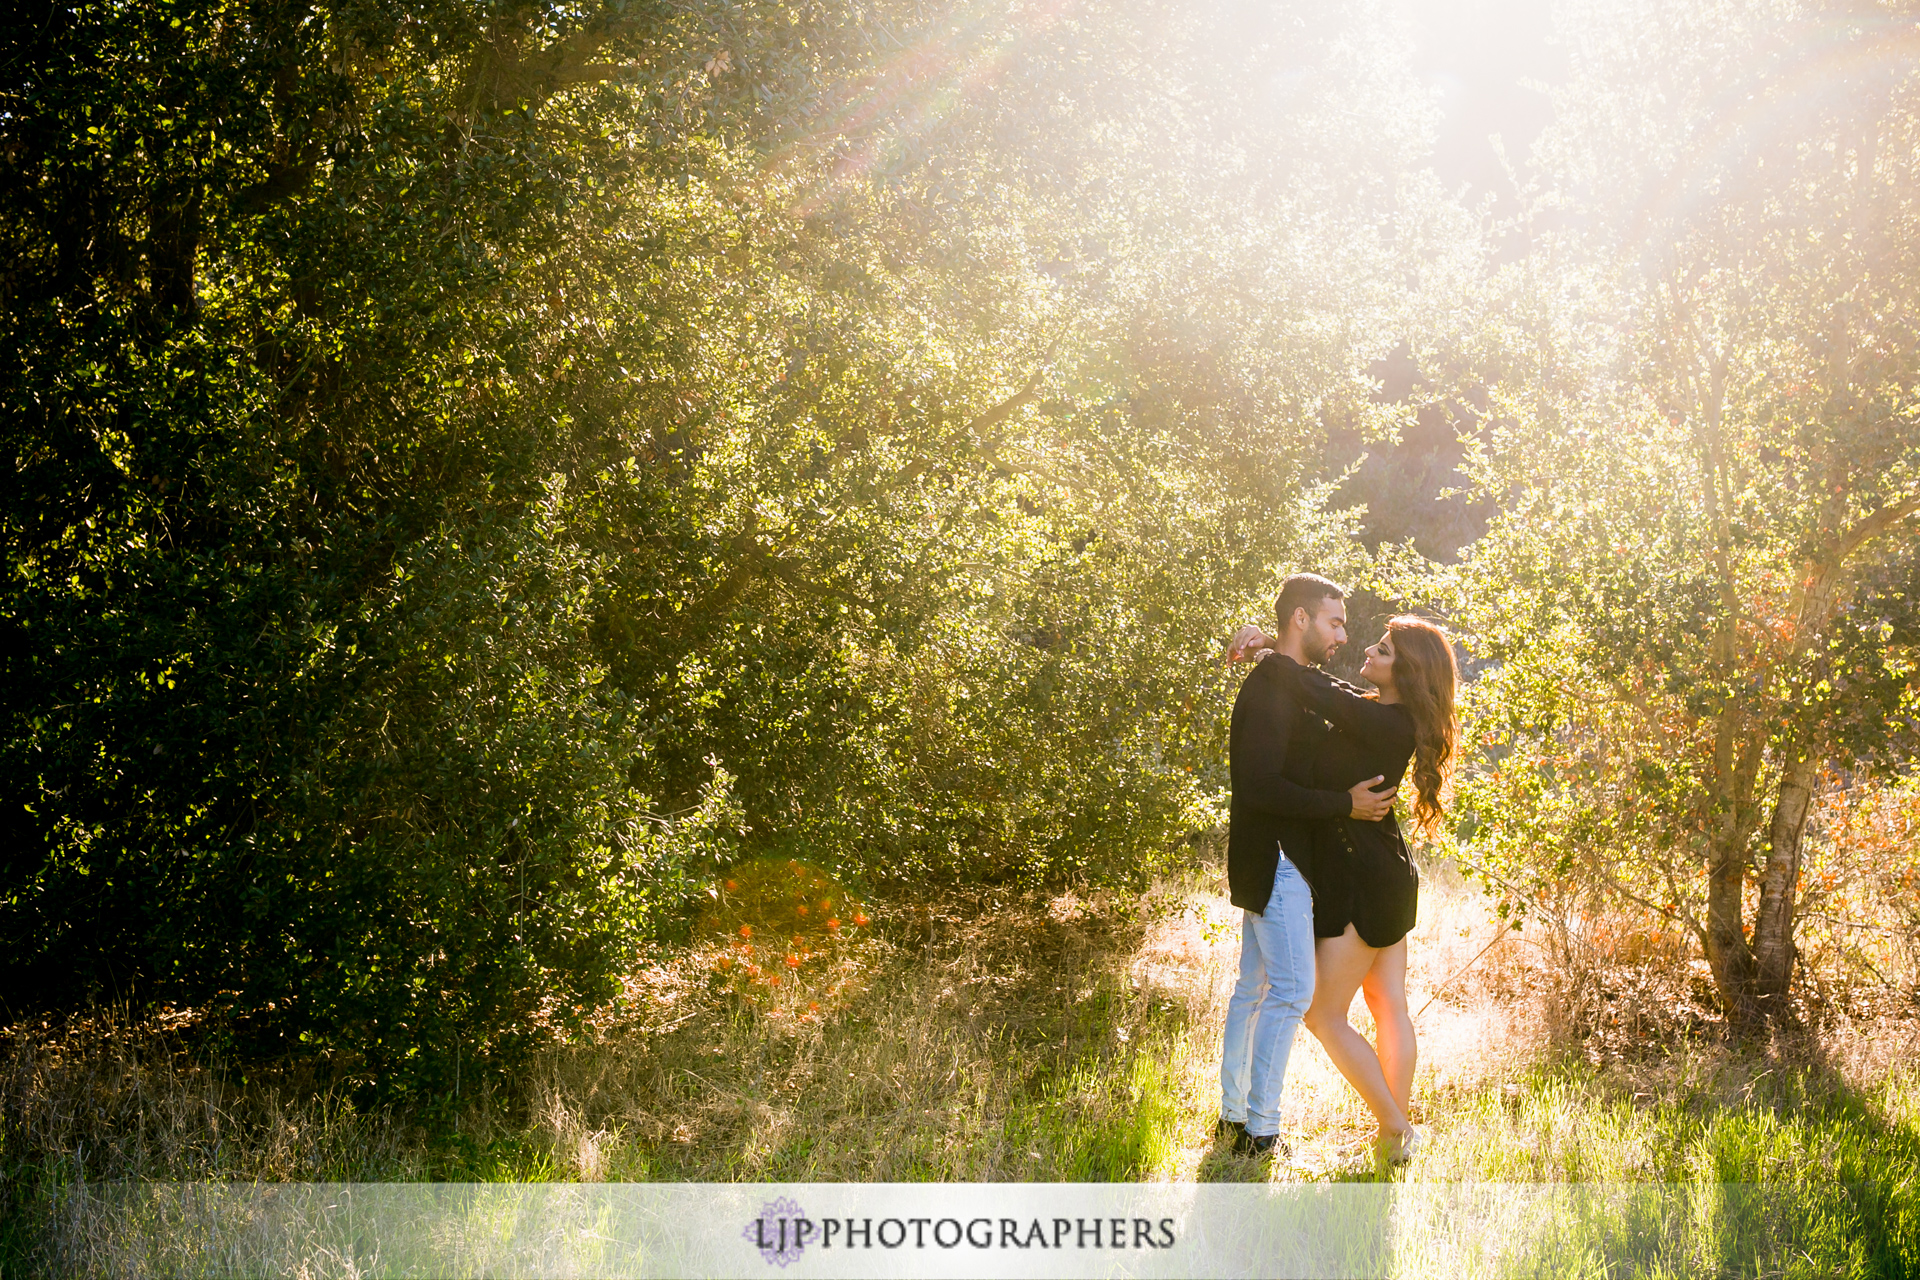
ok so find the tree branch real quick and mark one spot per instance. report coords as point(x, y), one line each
point(991, 418)
point(1871, 527)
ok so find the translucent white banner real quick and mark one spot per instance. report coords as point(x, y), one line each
point(699, 1230)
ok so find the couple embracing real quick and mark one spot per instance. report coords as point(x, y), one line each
point(1316, 860)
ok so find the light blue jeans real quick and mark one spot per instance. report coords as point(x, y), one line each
point(1269, 1000)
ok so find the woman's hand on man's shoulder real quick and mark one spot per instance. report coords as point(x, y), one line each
point(1249, 644)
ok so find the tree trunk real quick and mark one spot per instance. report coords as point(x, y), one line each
point(1779, 884)
point(1738, 755)
point(1727, 950)
point(1738, 751)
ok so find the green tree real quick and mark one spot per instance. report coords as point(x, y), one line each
point(300, 722)
point(1704, 442)
point(477, 466)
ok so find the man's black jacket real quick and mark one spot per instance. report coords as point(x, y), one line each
point(1270, 748)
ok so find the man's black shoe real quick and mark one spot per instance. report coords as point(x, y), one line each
point(1234, 1131)
point(1261, 1144)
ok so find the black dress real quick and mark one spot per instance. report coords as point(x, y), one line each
point(1365, 874)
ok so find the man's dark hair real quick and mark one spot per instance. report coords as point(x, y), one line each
point(1304, 591)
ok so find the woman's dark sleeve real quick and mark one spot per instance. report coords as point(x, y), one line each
point(1346, 708)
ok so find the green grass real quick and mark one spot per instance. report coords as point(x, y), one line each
point(503, 1157)
point(1029, 1043)
point(1714, 1119)
point(1097, 1124)
point(1728, 1166)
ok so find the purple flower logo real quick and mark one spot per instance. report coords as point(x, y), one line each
point(776, 1232)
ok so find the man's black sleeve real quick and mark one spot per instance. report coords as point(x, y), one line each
point(1260, 784)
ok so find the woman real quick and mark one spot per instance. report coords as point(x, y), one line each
point(1365, 887)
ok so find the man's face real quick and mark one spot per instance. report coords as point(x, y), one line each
point(1326, 630)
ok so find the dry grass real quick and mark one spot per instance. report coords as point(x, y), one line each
point(1034, 1038)
point(102, 1096)
point(1013, 1039)
point(986, 1038)
point(979, 1038)
point(976, 1038)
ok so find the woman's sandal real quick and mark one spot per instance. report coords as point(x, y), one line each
point(1402, 1151)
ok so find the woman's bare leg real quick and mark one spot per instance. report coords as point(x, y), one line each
point(1340, 964)
point(1385, 988)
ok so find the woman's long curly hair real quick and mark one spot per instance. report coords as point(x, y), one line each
point(1424, 675)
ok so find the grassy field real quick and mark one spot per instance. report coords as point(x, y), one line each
point(1060, 1039)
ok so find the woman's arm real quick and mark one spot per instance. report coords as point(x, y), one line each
point(1258, 758)
point(1249, 644)
point(1345, 707)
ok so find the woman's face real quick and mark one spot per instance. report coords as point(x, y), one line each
point(1379, 664)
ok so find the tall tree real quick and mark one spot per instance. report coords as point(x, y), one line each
point(1709, 453)
point(478, 465)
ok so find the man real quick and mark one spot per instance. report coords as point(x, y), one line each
point(1271, 746)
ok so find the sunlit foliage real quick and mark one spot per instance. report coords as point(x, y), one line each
point(479, 469)
point(1705, 441)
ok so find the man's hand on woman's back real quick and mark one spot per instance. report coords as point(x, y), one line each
point(1370, 805)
